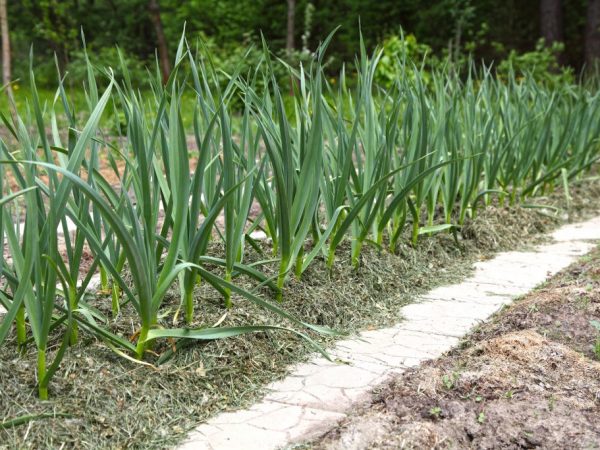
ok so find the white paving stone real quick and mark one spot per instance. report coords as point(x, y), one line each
point(320, 392)
point(439, 325)
point(497, 289)
point(469, 294)
point(440, 308)
point(588, 230)
point(571, 248)
point(230, 437)
point(313, 423)
point(323, 397)
point(284, 423)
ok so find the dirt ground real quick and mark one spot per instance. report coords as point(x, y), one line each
point(528, 379)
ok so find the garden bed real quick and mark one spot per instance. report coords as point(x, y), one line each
point(100, 400)
point(530, 378)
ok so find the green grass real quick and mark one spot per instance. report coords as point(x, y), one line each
point(77, 102)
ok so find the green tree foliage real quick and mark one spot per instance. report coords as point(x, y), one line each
point(487, 30)
point(540, 63)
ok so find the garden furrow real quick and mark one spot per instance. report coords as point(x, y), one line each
point(318, 394)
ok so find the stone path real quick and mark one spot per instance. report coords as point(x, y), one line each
point(319, 393)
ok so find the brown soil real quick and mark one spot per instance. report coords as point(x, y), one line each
point(528, 379)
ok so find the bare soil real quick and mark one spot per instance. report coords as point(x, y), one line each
point(530, 378)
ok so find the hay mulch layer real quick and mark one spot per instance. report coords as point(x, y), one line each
point(101, 400)
point(528, 379)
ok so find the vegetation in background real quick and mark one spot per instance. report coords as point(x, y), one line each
point(541, 64)
point(486, 30)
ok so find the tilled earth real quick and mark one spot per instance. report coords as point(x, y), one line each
point(528, 379)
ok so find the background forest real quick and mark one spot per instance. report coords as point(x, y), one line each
point(487, 30)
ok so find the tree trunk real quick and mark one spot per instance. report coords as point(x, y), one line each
point(592, 34)
point(6, 72)
point(551, 23)
point(291, 14)
point(163, 49)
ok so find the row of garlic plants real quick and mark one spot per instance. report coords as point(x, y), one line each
point(331, 161)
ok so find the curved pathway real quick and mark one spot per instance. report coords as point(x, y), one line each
point(319, 393)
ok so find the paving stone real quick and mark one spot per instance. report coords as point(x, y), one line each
point(327, 389)
point(441, 308)
point(525, 260)
point(313, 423)
point(324, 397)
point(281, 418)
point(493, 289)
point(208, 430)
point(571, 248)
point(199, 438)
point(401, 350)
point(246, 415)
point(443, 326)
point(466, 293)
point(589, 230)
point(288, 384)
point(92, 286)
point(238, 437)
point(310, 368)
point(526, 272)
point(197, 441)
point(266, 432)
point(359, 354)
point(71, 227)
point(420, 343)
point(342, 376)
point(94, 283)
